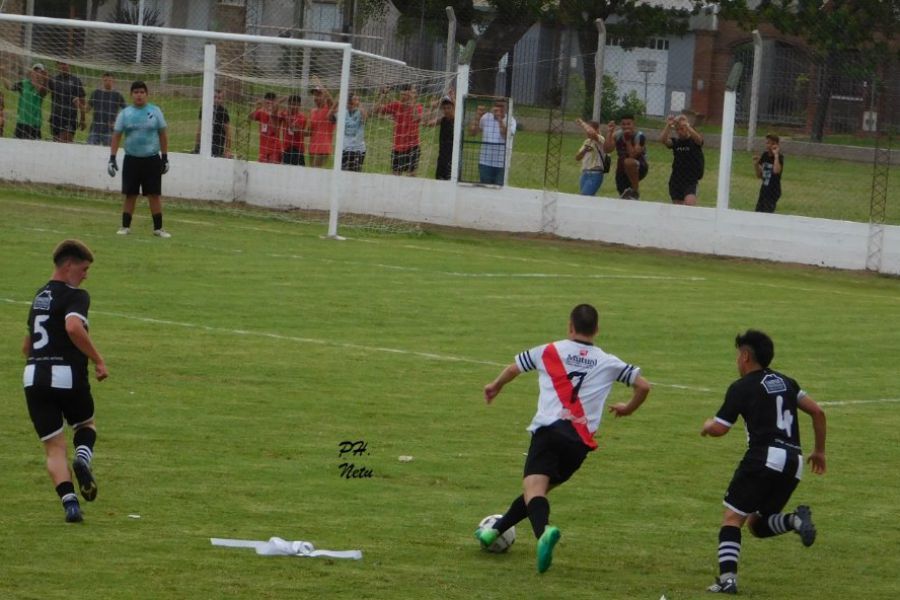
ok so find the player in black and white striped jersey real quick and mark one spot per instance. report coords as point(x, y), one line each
point(773, 463)
point(57, 347)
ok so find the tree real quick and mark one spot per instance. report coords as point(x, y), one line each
point(834, 30)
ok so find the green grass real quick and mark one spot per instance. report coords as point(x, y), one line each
point(246, 348)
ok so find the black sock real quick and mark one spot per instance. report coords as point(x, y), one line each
point(517, 512)
point(539, 514)
point(126, 219)
point(66, 492)
point(729, 549)
point(770, 525)
point(84, 441)
point(157, 221)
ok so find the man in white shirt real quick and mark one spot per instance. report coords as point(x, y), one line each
point(574, 377)
point(494, 127)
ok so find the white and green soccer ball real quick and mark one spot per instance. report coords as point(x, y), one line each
point(504, 541)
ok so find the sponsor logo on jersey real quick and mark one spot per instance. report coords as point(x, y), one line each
point(580, 360)
point(42, 301)
point(774, 384)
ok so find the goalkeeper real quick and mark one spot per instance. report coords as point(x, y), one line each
point(144, 128)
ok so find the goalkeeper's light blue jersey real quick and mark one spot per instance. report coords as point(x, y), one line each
point(141, 126)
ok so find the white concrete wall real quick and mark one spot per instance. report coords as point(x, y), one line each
point(783, 238)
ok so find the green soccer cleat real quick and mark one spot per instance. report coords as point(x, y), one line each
point(486, 536)
point(545, 546)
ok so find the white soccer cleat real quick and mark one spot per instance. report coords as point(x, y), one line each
point(162, 233)
point(123, 231)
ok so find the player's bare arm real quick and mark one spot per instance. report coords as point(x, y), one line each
point(506, 375)
point(641, 391)
point(714, 428)
point(816, 459)
point(82, 340)
point(665, 136)
point(26, 345)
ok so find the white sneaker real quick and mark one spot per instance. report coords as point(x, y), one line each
point(124, 231)
point(162, 233)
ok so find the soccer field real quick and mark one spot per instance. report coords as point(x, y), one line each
point(244, 350)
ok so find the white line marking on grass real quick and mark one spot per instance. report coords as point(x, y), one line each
point(852, 402)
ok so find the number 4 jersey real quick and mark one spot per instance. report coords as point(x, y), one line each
point(574, 379)
point(54, 361)
point(767, 400)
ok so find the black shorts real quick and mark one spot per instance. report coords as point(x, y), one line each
point(142, 175)
point(761, 489)
point(405, 160)
point(47, 406)
point(27, 132)
point(555, 451)
point(622, 181)
point(681, 187)
point(293, 156)
point(62, 124)
point(352, 160)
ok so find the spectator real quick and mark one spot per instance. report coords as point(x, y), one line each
point(2, 113)
point(494, 128)
point(221, 128)
point(294, 130)
point(31, 98)
point(688, 162)
point(354, 153)
point(407, 115)
point(321, 127)
point(768, 169)
point(594, 162)
point(106, 103)
point(67, 105)
point(266, 114)
point(146, 157)
point(444, 168)
point(631, 148)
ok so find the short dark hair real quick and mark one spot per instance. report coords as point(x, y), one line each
point(270, 96)
point(759, 344)
point(71, 249)
point(585, 319)
point(295, 99)
point(773, 137)
point(626, 115)
point(106, 74)
point(139, 85)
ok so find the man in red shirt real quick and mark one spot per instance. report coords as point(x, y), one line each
point(407, 114)
point(294, 132)
point(266, 114)
point(321, 127)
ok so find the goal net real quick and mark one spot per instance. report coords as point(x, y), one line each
point(290, 121)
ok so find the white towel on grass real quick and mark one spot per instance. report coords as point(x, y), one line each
point(279, 547)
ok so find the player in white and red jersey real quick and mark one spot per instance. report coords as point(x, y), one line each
point(574, 377)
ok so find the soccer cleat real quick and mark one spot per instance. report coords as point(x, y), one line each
point(162, 233)
point(806, 529)
point(635, 195)
point(545, 546)
point(626, 194)
point(85, 478)
point(124, 231)
point(486, 536)
point(724, 586)
point(73, 512)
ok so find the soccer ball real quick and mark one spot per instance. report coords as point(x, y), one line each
point(504, 541)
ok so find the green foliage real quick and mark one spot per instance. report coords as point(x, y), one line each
point(246, 348)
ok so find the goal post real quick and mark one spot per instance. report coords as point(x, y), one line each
point(192, 74)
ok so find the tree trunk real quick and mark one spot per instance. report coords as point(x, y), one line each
point(824, 98)
point(587, 44)
point(498, 39)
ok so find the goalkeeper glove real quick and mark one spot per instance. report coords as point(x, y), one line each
point(113, 166)
point(165, 164)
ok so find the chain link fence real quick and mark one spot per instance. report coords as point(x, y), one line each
point(830, 114)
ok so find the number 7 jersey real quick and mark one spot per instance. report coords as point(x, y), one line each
point(574, 380)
